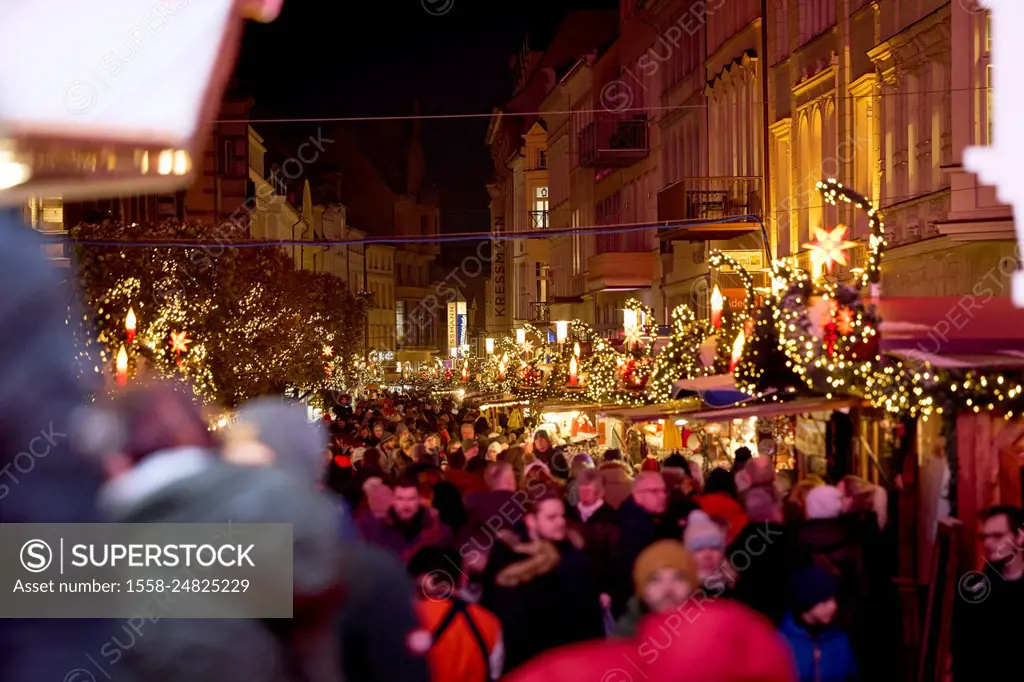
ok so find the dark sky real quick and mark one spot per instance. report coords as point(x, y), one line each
point(326, 59)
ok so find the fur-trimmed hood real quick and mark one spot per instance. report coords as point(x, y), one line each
point(542, 557)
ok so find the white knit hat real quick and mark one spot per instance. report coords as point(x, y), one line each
point(824, 502)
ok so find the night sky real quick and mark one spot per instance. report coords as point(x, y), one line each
point(324, 59)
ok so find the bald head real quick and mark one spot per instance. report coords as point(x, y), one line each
point(761, 471)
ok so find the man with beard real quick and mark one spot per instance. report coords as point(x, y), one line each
point(408, 525)
point(984, 637)
point(665, 576)
point(541, 586)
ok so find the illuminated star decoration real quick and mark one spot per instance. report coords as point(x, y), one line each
point(844, 321)
point(828, 248)
point(328, 351)
point(634, 335)
point(179, 342)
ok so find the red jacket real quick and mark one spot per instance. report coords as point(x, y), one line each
point(705, 640)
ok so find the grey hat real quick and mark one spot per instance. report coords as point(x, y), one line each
point(298, 446)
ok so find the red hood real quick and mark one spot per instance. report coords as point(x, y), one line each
point(713, 641)
point(720, 505)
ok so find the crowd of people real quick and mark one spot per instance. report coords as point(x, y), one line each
point(433, 545)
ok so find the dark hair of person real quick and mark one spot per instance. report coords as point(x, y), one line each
point(406, 480)
point(476, 465)
point(612, 455)
point(433, 561)
point(743, 455)
point(720, 481)
point(457, 460)
point(676, 461)
point(1014, 516)
point(371, 458)
point(160, 417)
point(539, 494)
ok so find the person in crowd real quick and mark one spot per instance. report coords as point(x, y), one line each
point(643, 519)
point(821, 648)
point(764, 554)
point(991, 600)
point(553, 458)
point(580, 463)
point(616, 477)
point(432, 444)
point(467, 431)
point(170, 470)
point(409, 524)
point(794, 509)
point(675, 470)
point(830, 538)
point(665, 575)
point(500, 507)
point(466, 639)
point(760, 471)
point(740, 477)
point(720, 501)
point(705, 539)
point(598, 523)
point(464, 480)
point(541, 586)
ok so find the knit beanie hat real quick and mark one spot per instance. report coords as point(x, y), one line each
point(703, 533)
point(824, 502)
point(663, 554)
point(298, 446)
point(811, 586)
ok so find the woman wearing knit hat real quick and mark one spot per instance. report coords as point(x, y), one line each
point(705, 540)
point(665, 575)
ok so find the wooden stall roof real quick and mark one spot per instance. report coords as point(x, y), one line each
point(774, 409)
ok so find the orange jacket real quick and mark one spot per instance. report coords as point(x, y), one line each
point(462, 651)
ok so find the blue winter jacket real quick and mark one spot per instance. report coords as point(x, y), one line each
point(824, 657)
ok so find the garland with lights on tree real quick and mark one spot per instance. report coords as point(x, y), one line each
point(826, 331)
point(619, 377)
point(698, 348)
point(233, 323)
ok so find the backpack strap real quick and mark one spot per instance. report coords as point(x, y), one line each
point(460, 606)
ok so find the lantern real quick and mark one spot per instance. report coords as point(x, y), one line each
point(129, 325)
point(629, 319)
point(454, 351)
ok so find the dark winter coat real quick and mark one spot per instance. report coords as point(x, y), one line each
point(600, 534)
point(764, 556)
point(404, 539)
point(544, 595)
point(637, 530)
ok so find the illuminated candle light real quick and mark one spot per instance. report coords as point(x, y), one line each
point(573, 369)
point(129, 325)
point(122, 367)
point(489, 345)
point(717, 306)
point(561, 331)
point(629, 319)
point(737, 350)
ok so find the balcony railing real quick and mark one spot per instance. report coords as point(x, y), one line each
point(538, 220)
point(613, 142)
point(540, 312)
point(710, 198)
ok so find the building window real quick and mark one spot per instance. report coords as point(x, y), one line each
point(400, 321)
point(543, 158)
point(539, 214)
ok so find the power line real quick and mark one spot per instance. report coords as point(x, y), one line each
point(624, 111)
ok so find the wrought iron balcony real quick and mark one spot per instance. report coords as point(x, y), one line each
point(711, 199)
point(540, 312)
point(613, 142)
point(538, 220)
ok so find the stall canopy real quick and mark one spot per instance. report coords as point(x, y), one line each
point(772, 409)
